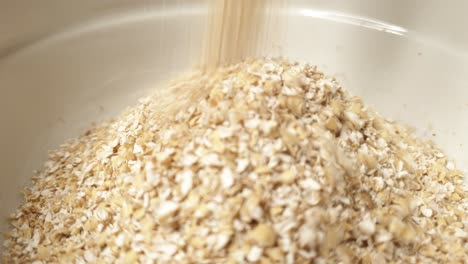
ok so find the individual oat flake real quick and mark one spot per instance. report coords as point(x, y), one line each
point(265, 161)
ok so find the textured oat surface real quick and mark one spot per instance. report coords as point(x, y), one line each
point(262, 162)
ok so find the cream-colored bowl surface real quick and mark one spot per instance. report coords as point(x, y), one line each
point(64, 65)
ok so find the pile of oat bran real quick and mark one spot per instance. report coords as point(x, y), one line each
point(265, 162)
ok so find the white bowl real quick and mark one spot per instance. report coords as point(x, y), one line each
point(65, 66)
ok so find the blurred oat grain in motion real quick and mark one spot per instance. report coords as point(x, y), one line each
point(237, 30)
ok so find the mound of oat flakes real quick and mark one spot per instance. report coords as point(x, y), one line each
point(262, 162)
